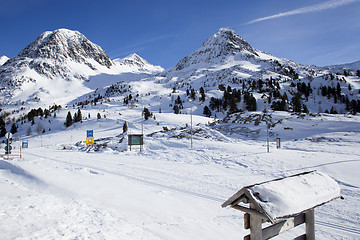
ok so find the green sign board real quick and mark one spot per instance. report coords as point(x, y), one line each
point(136, 139)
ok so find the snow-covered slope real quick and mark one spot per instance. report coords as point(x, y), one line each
point(226, 59)
point(61, 189)
point(53, 68)
point(353, 66)
point(225, 56)
point(3, 59)
point(135, 63)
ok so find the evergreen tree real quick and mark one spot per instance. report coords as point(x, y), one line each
point(68, 121)
point(178, 100)
point(13, 128)
point(2, 130)
point(202, 94)
point(250, 101)
point(333, 111)
point(46, 113)
point(358, 73)
point(75, 117)
point(233, 106)
point(147, 113)
point(98, 116)
point(296, 102)
point(78, 116)
point(125, 126)
point(207, 111)
point(193, 94)
point(176, 109)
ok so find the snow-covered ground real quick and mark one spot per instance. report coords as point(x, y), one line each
point(58, 190)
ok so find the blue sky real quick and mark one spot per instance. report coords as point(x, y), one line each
point(319, 32)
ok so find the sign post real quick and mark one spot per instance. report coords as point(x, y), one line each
point(278, 143)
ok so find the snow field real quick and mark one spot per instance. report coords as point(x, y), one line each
point(170, 191)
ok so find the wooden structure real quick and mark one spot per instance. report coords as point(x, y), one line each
point(284, 202)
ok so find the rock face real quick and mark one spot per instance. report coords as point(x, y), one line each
point(57, 67)
point(223, 43)
point(62, 45)
point(54, 54)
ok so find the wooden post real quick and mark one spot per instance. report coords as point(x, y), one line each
point(255, 225)
point(310, 224)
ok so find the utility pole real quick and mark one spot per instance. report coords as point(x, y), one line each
point(191, 139)
point(142, 122)
point(267, 124)
point(267, 133)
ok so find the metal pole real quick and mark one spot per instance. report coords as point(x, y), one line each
point(267, 126)
point(191, 126)
point(142, 121)
point(267, 132)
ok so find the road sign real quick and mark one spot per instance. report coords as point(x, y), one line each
point(90, 141)
point(25, 144)
point(8, 135)
point(89, 133)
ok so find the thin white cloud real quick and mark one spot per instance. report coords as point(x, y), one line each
point(139, 45)
point(314, 8)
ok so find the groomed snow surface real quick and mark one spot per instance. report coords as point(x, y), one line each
point(57, 190)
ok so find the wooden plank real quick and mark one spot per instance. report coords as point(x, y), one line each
point(255, 226)
point(233, 198)
point(310, 224)
point(251, 211)
point(246, 220)
point(277, 228)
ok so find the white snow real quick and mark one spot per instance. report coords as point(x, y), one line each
point(295, 194)
point(168, 191)
point(3, 59)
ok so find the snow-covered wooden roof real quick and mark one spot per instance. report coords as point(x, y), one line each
point(285, 197)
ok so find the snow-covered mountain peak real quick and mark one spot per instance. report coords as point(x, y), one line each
point(55, 63)
point(228, 42)
point(224, 43)
point(64, 44)
point(135, 63)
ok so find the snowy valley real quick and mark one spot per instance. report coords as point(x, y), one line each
point(205, 129)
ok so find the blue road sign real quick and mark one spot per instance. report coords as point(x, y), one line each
point(89, 133)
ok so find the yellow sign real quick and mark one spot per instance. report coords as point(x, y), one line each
point(89, 141)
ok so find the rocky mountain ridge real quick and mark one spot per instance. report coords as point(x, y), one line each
point(58, 64)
